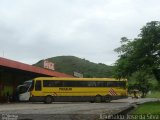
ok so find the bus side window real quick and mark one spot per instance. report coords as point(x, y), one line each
point(110, 83)
point(122, 84)
point(38, 85)
point(100, 84)
point(91, 84)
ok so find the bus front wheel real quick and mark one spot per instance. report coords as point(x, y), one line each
point(48, 99)
point(98, 99)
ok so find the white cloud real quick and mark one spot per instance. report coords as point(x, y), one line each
point(31, 30)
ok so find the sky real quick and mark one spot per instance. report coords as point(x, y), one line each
point(31, 30)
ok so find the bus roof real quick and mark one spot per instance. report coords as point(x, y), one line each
point(80, 79)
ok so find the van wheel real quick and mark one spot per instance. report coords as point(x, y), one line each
point(48, 99)
point(98, 99)
point(108, 98)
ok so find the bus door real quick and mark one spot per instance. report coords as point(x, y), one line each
point(38, 88)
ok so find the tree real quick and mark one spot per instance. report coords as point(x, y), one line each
point(141, 53)
point(140, 57)
point(141, 82)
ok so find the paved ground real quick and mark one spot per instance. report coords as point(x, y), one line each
point(68, 110)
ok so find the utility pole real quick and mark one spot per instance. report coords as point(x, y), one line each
point(3, 53)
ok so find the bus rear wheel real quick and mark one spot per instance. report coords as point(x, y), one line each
point(108, 98)
point(48, 99)
point(98, 99)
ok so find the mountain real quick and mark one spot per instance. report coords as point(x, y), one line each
point(70, 64)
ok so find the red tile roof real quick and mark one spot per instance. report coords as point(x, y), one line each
point(25, 67)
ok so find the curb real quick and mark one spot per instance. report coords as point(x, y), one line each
point(123, 112)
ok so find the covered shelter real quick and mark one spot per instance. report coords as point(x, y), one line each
point(13, 73)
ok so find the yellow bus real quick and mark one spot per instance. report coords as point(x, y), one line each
point(51, 89)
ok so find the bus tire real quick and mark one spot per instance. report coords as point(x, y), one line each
point(98, 99)
point(48, 99)
point(108, 98)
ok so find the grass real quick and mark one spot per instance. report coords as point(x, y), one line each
point(148, 108)
point(154, 94)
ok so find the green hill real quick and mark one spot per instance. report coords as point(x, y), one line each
point(70, 64)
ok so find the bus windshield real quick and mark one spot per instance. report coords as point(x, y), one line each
point(28, 83)
point(22, 89)
point(25, 87)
